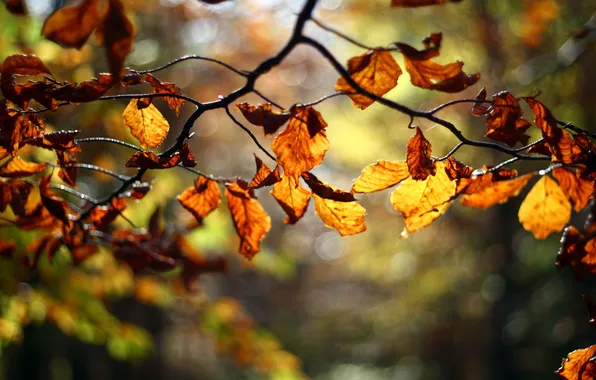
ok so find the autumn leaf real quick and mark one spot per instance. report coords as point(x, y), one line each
point(292, 198)
point(55, 205)
point(118, 33)
point(250, 219)
point(479, 108)
point(504, 120)
point(456, 170)
point(579, 189)
point(545, 209)
point(421, 202)
point(420, 164)
point(345, 217)
point(264, 116)
point(264, 176)
point(20, 65)
point(68, 171)
point(201, 199)
point(375, 71)
point(380, 176)
point(419, 3)
point(160, 87)
point(325, 191)
point(579, 365)
point(150, 160)
point(485, 190)
point(147, 124)
point(83, 92)
point(302, 145)
point(72, 26)
point(17, 167)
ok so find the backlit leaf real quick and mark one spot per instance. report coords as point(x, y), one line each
point(380, 176)
point(150, 160)
point(579, 189)
point(302, 145)
point(504, 120)
point(250, 219)
point(545, 209)
point(375, 71)
point(84, 92)
point(17, 167)
point(72, 26)
point(118, 34)
point(201, 199)
point(579, 365)
point(418, 151)
point(292, 198)
point(421, 202)
point(264, 176)
point(457, 170)
point(346, 217)
point(264, 116)
point(486, 190)
point(147, 124)
point(160, 87)
point(325, 191)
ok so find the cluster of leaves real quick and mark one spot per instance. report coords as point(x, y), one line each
point(425, 185)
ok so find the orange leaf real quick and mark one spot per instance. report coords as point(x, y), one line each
point(118, 33)
point(545, 209)
point(457, 170)
point(325, 191)
point(419, 3)
point(17, 167)
point(504, 120)
point(264, 176)
point(72, 26)
point(160, 87)
point(302, 145)
point(479, 108)
point(580, 190)
point(485, 191)
point(375, 71)
point(84, 92)
point(380, 176)
point(292, 198)
point(418, 151)
point(421, 202)
point(346, 217)
point(201, 199)
point(250, 219)
point(150, 160)
point(147, 124)
point(579, 365)
point(264, 116)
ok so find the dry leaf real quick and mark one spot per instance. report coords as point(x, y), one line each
point(485, 191)
point(72, 26)
point(420, 164)
point(201, 199)
point(292, 198)
point(380, 176)
point(147, 124)
point(346, 217)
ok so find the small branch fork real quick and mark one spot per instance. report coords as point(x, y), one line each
point(251, 77)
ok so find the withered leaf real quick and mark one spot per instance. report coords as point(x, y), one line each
point(380, 176)
point(17, 167)
point(303, 144)
point(102, 216)
point(479, 108)
point(147, 124)
point(504, 120)
point(579, 365)
point(264, 176)
point(325, 191)
point(118, 34)
point(545, 209)
point(264, 116)
point(420, 164)
point(579, 189)
point(250, 219)
point(160, 87)
point(346, 217)
point(375, 71)
point(487, 190)
point(68, 170)
point(421, 202)
point(201, 199)
point(150, 160)
point(83, 92)
point(72, 26)
point(55, 205)
point(457, 170)
point(23, 64)
point(292, 198)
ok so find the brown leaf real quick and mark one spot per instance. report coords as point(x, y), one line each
point(375, 71)
point(380, 176)
point(302, 145)
point(346, 217)
point(579, 365)
point(292, 198)
point(150, 160)
point(250, 219)
point(486, 190)
point(419, 3)
point(479, 108)
point(504, 120)
point(83, 92)
point(55, 205)
point(421, 202)
point(160, 87)
point(72, 26)
point(545, 209)
point(579, 189)
point(325, 191)
point(201, 199)
point(17, 167)
point(418, 151)
point(264, 176)
point(147, 124)
point(68, 170)
point(23, 64)
point(118, 34)
point(264, 116)
point(102, 216)
point(457, 170)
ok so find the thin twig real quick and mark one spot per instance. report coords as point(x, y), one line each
point(108, 140)
point(94, 168)
point(252, 136)
point(197, 57)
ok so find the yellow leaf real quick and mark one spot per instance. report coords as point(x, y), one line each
point(380, 176)
point(292, 198)
point(376, 71)
point(483, 192)
point(346, 217)
point(545, 210)
point(421, 202)
point(146, 124)
point(202, 198)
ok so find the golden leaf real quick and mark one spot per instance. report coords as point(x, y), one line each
point(17, 167)
point(545, 210)
point(484, 192)
point(578, 365)
point(147, 124)
point(202, 198)
point(292, 198)
point(380, 176)
point(346, 217)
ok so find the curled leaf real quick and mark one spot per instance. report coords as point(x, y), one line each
point(579, 189)
point(292, 198)
point(325, 191)
point(201, 199)
point(17, 167)
point(420, 164)
point(264, 176)
point(72, 26)
point(264, 116)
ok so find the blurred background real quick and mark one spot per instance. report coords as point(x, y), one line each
point(473, 296)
